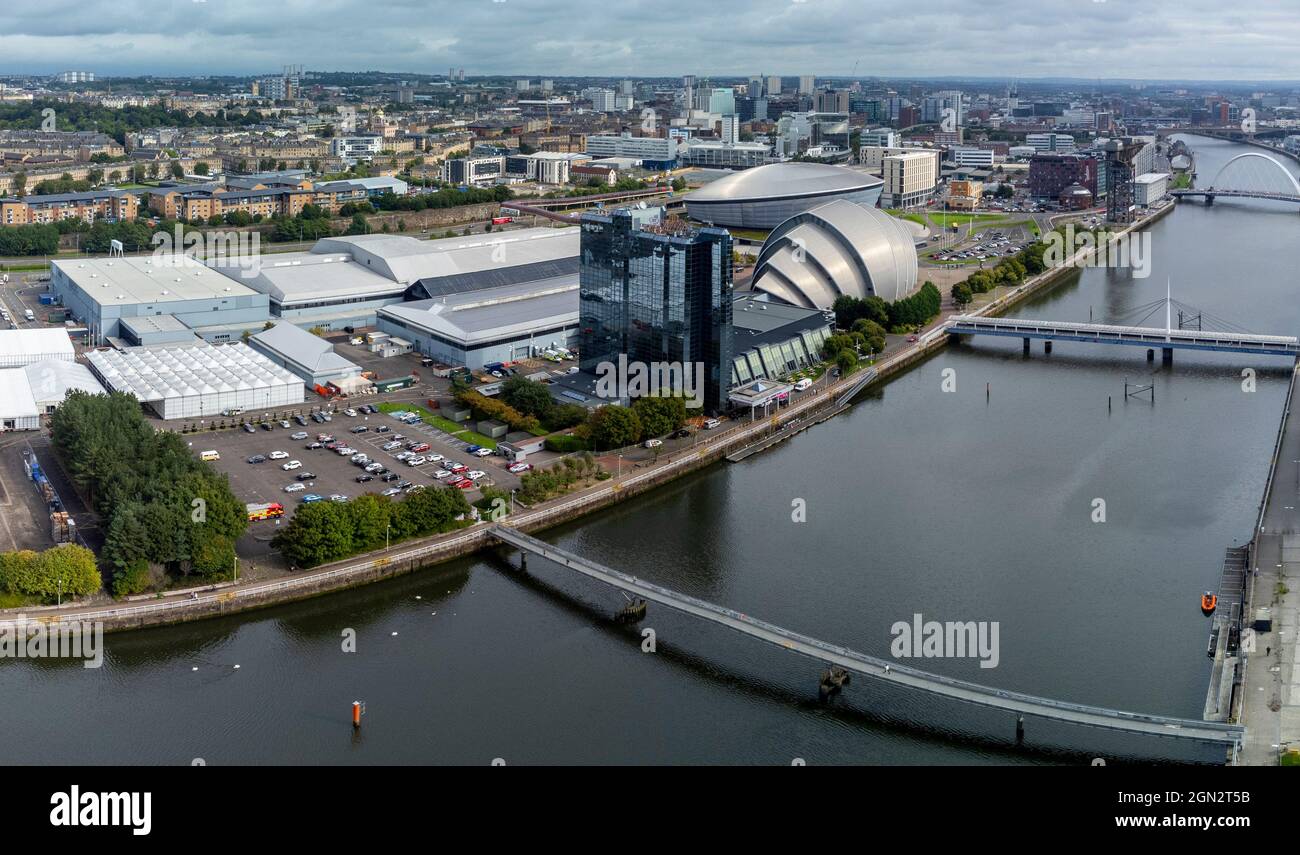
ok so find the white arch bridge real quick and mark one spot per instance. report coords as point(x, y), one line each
point(1253, 175)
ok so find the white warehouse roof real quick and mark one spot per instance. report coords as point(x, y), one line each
point(23, 347)
point(50, 381)
point(155, 374)
point(16, 402)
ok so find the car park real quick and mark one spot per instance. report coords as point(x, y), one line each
point(257, 458)
point(294, 488)
point(278, 455)
point(291, 465)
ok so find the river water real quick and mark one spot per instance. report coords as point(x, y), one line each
point(977, 504)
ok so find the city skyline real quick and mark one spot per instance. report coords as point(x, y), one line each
point(1196, 41)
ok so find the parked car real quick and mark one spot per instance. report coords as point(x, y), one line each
point(389, 476)
point(300, 420)
point(249, 428)
point(316, 417)
point(391, 491)
point(465, 484)
point(383, 429)
point(420, 447)
point(294, 488)
point(360, 429)
point(324, 437)
point(415, 488)
point(284, 423)
point(361, 479)
point(374, 467)
point(475, 474)
point(279, 455)
point(416, 461)
point(517, 468)
point(302, 434)
point(653, 443)
point(360, 457)
point(267, 426)
point(472, 448)
point(459, 468)
point(392, 446)
point(483, 452)
point(442, 473)
point(257, 458)
point(312, 446)
point(312, 497)
point(403, 484)
point(680, 433)
point(338, 497)
point(433, 458)
point(350, 413)
point(291, 465)
point(710, 424)
point(305, 476)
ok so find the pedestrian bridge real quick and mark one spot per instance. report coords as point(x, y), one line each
point(1165, 339)
point(873, 667)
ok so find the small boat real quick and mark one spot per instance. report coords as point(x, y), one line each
point(1209, 602)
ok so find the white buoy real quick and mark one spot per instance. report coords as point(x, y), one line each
point(394, 633)
point(236, 667)
point(195, 668)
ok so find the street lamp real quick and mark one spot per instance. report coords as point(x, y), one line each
point(620, 466)
point(387, 529)
point(60, 597)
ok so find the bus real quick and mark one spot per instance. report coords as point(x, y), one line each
point(501, 221)
point(264, 511)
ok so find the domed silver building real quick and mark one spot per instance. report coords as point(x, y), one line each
point(835, 249)
point(763, 197)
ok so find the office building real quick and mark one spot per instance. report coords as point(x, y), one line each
point(910, 178)
point(1150, 188)
point(656, 293)
point(973, 157)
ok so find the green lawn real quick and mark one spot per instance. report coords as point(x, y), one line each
point(441, 423)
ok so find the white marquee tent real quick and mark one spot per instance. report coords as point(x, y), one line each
point(201, 380)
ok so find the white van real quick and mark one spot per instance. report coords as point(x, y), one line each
point(805, 383)
point(710, 424)
point(209, 455)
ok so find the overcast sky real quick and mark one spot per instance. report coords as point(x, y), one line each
point(1151, 39)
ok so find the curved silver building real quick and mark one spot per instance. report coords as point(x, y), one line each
point(765, 196)
point(835, 249)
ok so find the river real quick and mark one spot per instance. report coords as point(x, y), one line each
point(973, 505)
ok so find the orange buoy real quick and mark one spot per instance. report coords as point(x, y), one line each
point(1209, 602)
point(356, 714)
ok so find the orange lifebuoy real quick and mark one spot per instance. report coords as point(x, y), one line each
point(1209, 602)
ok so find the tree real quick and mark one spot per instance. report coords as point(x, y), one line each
point(846, 361)
point(318, 533)
point(176, 170)
point(200, 168)
point(61, 571)
point(527, 396)
point(961, 294)
point(659, 415)
point(613, 426)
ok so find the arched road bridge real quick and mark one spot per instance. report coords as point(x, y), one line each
point(874, 667)
point(1238, 180)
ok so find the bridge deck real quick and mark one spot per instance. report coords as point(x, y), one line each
point(1274, 345)
point(860, 663)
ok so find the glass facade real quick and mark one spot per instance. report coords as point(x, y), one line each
point(657, 297)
